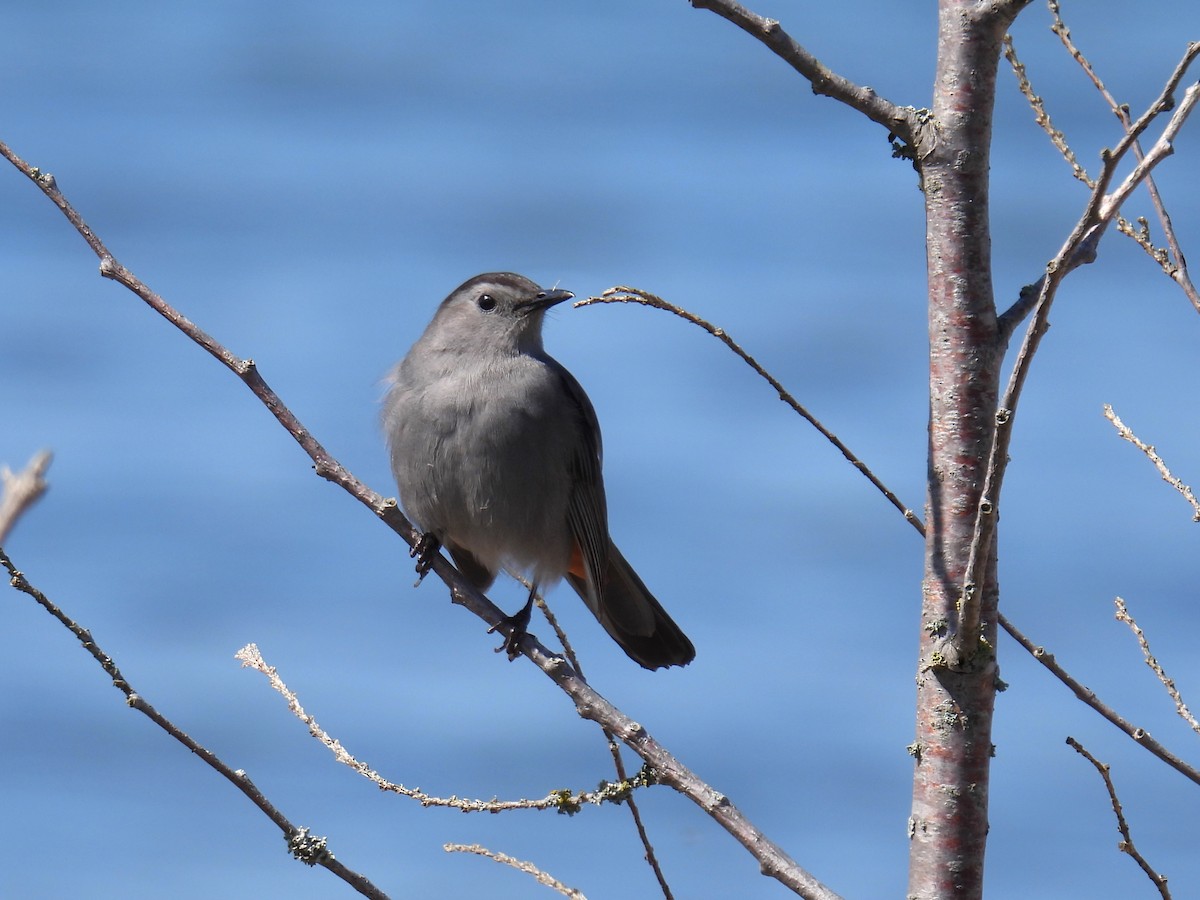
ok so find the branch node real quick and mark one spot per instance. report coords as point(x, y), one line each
point(308, 848)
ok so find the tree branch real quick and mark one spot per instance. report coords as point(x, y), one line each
point(902, 121)
point(1140, 736)
point(303, 846)
point(645, 298)
point(1126, 845)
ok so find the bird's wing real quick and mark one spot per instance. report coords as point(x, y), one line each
point(587, 512)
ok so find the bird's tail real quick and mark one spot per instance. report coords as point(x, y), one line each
point(633, 618)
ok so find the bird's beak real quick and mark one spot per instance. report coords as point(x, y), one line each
point(546, 299)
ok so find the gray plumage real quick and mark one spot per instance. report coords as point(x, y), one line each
point(497, 454)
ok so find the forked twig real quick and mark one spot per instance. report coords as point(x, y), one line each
point(1172, 259)
point(1126, 844)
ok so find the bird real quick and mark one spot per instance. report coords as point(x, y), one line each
point(497, 456)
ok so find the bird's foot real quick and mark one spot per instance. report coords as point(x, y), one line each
point(516, 627)
point(425, 551)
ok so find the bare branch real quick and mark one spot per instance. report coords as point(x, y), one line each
point(562, 801)
point(20, 491)
point(1080, 247)
point(303, 846)
point(520, 865)
point(1162, 148)
point(645, 298)
point(1040, 116)
point(1127, 433)
point(1171, 260)
point(1168, 683)
point(901, 121)
point(1126, 844)
point(773, 861)
point(1140, 736)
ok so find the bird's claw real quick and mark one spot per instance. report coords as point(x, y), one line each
point(425, 551)
point(517, 627)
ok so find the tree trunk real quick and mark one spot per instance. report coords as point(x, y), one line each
point(956, 679)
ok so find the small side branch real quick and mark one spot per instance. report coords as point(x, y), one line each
point(520, 865)
point(903, 122)
point(1126, 845)
point(1078, 249)
point(1127, 433)
point(1040, 116)
point(645, 298)
point(1167, 682)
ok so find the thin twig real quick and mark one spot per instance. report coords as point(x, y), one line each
point(1125, 432)
point(305, 847)
point(901, 121)
point(1140, 736)
point(1040, 116)
point(563, 801)
point(20, 491)
point(1123, 615)
point(623, 294)
point(1171, 260)
point(520, 865)
point(1126, 844)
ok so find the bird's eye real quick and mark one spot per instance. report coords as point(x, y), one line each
point(487, 302)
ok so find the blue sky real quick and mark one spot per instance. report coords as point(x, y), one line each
point(306, 183)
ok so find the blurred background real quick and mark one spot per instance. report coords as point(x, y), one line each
point(307, 182)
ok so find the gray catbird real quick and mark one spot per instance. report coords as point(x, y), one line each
point(496, 452)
